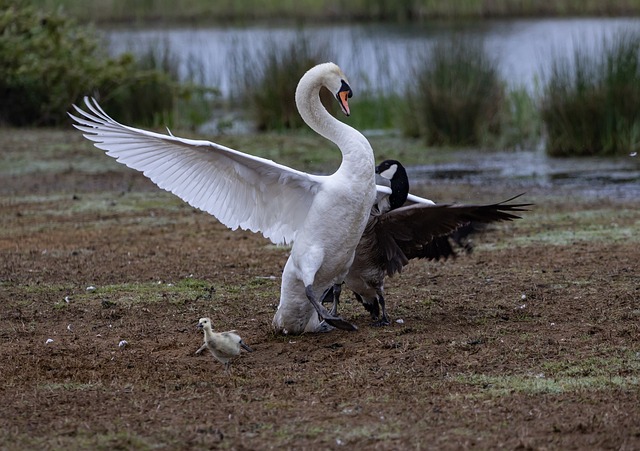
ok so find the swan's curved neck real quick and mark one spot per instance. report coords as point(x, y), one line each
point(348, 139)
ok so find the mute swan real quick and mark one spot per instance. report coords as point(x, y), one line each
point(396, 234)
point(222, 345)
point(285, 205)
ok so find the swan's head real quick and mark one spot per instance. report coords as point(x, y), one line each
point(331, 77)
point(204, 323)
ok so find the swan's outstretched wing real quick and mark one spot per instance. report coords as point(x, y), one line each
point(240, 190)
point(412, 231)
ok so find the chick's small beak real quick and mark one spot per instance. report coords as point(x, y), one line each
point(199, 326)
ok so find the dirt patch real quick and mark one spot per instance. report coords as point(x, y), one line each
point(530, 342)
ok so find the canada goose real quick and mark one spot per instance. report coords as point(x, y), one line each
point(222, 345)
point(396, 234)
point(285, 205)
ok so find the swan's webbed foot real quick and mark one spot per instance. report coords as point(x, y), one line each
point(325, 315)
point(324, 327)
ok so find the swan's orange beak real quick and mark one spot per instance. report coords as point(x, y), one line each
point(342, 96)
point(344, 104)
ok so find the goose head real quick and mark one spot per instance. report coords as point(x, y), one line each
point(393, 171)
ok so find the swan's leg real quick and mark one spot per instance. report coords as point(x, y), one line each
point(324, 314)
point(384, 321)
point(327, 296)
point(337, 289)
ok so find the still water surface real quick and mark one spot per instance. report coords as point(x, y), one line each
point(374, 56)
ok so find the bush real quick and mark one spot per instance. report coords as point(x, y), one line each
point(457, 95)
point(270, 85)
point(590, 103)
point(47, 62)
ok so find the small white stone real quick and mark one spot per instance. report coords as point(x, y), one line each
point(91, 288)
point(69, 328)
point(339, 442)
point(49, 340)
point(67, 299)
point(122, 343)
point(633, 154)
point(523, 297)
point(400, 321)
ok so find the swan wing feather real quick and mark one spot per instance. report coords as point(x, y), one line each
point(239, 189)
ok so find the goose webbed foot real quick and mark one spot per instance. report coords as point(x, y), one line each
point(326, 315)
point(381, 322)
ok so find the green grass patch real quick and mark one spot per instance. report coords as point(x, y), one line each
point(505, 385)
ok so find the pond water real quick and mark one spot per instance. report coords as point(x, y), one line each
point(374, 57)
point(380, 57)
point(523, 170)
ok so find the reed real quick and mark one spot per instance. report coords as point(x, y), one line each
point(457, 96)
point(269, 84)
point(590, 101)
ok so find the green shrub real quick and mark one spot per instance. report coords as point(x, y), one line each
point(270, 85)
point(590, 103)
point(48, 62)
point(457, 95)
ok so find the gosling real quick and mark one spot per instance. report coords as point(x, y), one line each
point(222, 345)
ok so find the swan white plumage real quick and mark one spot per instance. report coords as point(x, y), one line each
point(285, 205)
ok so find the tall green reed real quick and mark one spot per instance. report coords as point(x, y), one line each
point(591, 101)
point(457, 96)
point(269, 82)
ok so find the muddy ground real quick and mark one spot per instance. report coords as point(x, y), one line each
point(530, 342)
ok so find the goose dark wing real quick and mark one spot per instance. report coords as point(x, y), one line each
point(420, 231)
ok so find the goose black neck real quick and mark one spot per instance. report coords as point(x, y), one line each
point(399, 188)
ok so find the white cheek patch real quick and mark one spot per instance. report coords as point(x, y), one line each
point(389, 173)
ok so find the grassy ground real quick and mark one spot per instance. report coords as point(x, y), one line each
point(530, 342)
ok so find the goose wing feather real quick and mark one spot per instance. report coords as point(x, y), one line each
point(239, 189)
point(408, 232)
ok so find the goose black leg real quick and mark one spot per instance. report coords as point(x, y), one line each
point(371, 307)
point(384, 321)
point(325, 315)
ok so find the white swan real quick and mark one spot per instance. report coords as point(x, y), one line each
point(323, 216)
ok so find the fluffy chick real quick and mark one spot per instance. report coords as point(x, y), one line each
point(222, 345)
